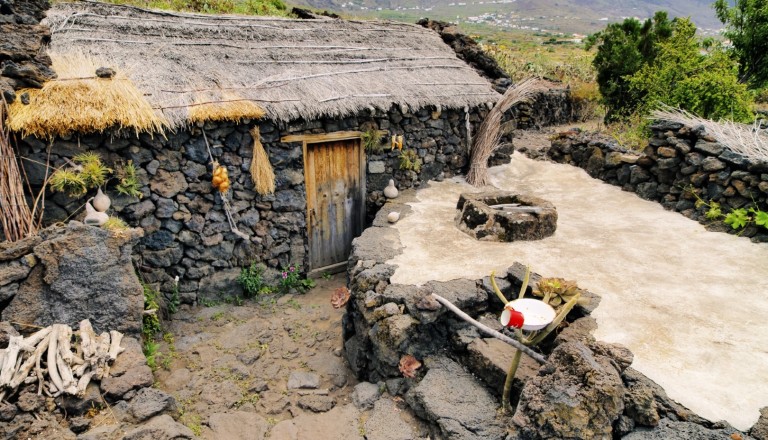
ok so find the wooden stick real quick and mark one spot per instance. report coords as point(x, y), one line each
point(489, 331)
point(11, 354)
point(114, 347)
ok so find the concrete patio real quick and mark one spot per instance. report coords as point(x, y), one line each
point(690, 304)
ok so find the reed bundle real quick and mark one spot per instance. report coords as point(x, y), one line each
point(17, 218)
point(80, 102)
point(262, 174)
point(489, 134)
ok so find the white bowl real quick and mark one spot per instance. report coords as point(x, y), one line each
point(537, 314)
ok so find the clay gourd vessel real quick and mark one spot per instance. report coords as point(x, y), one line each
point(390, 191)
point(393, 216)
point(94, 217)
point(101, 202)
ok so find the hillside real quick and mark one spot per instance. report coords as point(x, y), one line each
point(555, 16)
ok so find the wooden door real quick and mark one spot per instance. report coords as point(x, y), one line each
point(335, 183)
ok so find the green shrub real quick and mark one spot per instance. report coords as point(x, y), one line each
point(694, 76)
point(252, 280)
point(291, 279)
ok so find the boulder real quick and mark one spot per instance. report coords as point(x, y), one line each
point(149, 402)
point(577, 394)
point(459, 404)
point(365, 395)
point(83, 272)
point(760, 428)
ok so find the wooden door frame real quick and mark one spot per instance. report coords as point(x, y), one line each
point(306, 140)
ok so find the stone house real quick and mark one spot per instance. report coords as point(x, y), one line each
point(182, 89)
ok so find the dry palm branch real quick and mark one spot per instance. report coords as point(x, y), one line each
point(489, 134)
point(17, 219)
point(47, 357)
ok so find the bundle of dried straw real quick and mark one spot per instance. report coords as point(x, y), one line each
point(748, 140)
point(17, 219)
point(262, 174)
point(487, 139)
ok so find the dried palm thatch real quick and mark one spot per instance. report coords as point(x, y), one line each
point(748, 140)
point(487, 139)
point(79, 101)
point(229, 108)
point(193, 67)
point(262, 174)
point(17, 219)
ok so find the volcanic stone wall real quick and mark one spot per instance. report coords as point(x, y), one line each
point(23, 63)
point(679, 165)
point(185, 226)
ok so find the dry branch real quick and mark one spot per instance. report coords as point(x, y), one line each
point(17, 219)
point(489, 134)
point(63, 371)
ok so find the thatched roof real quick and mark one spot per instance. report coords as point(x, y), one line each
point(192, 67)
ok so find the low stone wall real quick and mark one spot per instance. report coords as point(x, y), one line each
point(186, 230)
point(680, 164)
point(458, 387)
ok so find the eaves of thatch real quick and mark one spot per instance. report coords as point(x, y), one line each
point(174, 69)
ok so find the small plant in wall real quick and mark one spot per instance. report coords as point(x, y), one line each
point(372, 140)
point(737, 218)
point(128, 180)
point(290, 280)
point(252, 280)
point(409, 160)
point(84, 172)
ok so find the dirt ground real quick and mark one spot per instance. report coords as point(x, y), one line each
point(235, 370)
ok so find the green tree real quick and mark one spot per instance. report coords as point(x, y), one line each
point(747, 28)
point(694, 75)
point(622, 49)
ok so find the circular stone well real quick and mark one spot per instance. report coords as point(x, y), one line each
point(505, 216)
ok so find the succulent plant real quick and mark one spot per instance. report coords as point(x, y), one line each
point(557, 291)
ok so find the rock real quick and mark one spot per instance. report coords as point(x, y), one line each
point(365, 395)
point(577, 394)
point(680, 430)
point(168, 184)
point(317, 403)
point(105, 72)
point(160, 428)
point(238, 425)
point(79, 405)
point(712, 164)
point(640, 405)
point(462, 408)
point(376, 167)
point(303, 380)
point(83, 272)
point(385, 423)
point(760, 429)
point(79, 424)
point(490, 359)
point(150, 402)
point(135, 378)
point(106, 432)
point(7, 411)
point(6, 331)
point(578, 331)
point(289, 200)
point(221, 282)
point(378, 244)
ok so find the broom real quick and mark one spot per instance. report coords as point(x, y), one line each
point(262, 174)
point(487, 140)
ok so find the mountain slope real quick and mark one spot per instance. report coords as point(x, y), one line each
point(566, 16)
